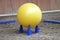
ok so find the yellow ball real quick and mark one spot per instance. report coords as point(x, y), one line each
point(29, 14)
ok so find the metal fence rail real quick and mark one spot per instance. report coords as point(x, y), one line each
point(14, 14)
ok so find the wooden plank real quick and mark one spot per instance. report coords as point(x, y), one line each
point(44, 4)
point(52, 5)
point(57, 3)
point(17, 3)
point(6, 6)
point(1, 7)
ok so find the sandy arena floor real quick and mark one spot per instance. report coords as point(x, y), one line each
point(48, 31)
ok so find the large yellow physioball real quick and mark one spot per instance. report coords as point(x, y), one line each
point(29, 14)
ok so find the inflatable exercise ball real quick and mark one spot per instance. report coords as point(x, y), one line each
point(29, 14)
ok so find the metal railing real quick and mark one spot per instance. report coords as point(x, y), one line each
point(14, 14)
